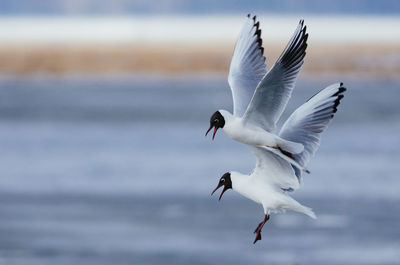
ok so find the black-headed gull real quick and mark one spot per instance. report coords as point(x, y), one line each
point(259, 98)
point(274, 177)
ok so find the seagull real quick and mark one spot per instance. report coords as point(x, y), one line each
point(273, 177)
point(259, 98)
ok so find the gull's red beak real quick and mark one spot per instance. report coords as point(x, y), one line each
point(215, 131)
point(219, 186)
point(209, 129)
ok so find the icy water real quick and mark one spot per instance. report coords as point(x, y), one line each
point(117, 171)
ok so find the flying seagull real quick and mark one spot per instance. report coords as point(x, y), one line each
point(259, 98)
point(273, 177)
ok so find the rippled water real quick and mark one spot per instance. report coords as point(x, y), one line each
point(117, 171)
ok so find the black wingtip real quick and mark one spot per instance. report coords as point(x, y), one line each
point(341, 89)
point(260, 42)
point(258, 34)
point(295, 50)
point(337, 103)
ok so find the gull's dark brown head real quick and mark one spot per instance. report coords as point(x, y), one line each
point(224, 181)
point(217, 121)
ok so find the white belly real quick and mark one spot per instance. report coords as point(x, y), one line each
point(270, 199)
point(250, 135)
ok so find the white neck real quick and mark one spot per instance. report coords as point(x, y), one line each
point(242, 184)
point(238, 180)
point(249, 187)
point(232, 124)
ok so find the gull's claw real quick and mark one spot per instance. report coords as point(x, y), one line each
point(259, 228)
point(258, 237)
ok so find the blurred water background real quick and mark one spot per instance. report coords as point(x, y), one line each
point(117, 170)
point(103, 158)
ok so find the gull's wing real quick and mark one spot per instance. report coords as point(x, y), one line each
point(274, 170)
point(274, 90)
point(306, 123)
point(247, 66)
point(288, 159)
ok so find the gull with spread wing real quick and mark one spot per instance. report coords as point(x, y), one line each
point(273, 177)
point(259, 98)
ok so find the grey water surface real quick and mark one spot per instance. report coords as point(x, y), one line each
point(116, 170)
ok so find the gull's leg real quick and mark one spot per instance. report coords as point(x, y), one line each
point(286, 153)
point(259, 228)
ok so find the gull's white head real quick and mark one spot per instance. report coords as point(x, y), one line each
point(218, 120)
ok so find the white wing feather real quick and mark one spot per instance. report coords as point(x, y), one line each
point(285, 157)
point(307, 122)
point(274, 90)
point(274, 170)
point(247, 66)
point(305, 126)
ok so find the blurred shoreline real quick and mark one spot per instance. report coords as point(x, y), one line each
point(182, 44)
point(375, 59)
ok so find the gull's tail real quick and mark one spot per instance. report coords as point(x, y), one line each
point(308, 211)
point(296, 206)
point(307, 123)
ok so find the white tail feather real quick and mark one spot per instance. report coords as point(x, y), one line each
point(296, 206)
point(308, 211)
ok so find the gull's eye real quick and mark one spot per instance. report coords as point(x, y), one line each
point(222, 180)
point(216, 120)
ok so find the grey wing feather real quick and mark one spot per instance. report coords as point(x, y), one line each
point(274, 90)
point(247, 66)
point(307, 122)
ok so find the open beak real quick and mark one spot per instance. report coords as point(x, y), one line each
point(215, 131)
point(209, 129)
point(219, 186)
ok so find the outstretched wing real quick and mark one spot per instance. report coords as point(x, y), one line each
point(274, 90)
point(274, 170)
point(307, 123)
point(247, 66)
